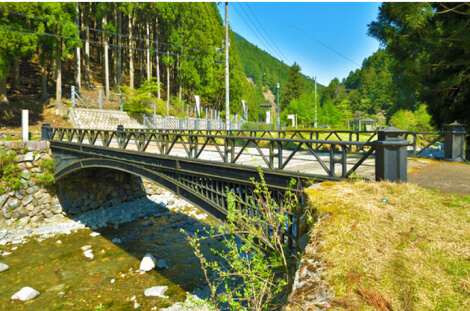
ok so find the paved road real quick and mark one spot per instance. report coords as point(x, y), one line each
point(448, 177)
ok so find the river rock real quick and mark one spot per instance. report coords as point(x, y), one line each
point(6, 212)
point(24, 221)
point(148, 262)
point(19, 212)
point(116, 201)
point(36, 220)
point(47, 213)
point(93, 234)
point(78, 203)
point(19, 194)
point(56, 209)
point(33, 190)
point(117, 241)
point(3, 199)
point(88, 254)
point(66, 204)
point(13, 203)
point(25, 294)
point(3, 267)
point(26, 175)
point(27, 199)
point(161, 263)
point(46, 199)
point(156, 291)
point(75, 211)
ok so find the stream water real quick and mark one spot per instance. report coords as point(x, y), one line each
point(67, 280)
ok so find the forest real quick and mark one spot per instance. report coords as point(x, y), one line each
point(153, 52)
point(419, 80)
point(168, 48)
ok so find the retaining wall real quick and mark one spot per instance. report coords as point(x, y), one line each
point(76, 193)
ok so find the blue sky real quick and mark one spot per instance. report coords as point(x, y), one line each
point(327, 39)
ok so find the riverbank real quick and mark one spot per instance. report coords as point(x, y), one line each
point(50, 258)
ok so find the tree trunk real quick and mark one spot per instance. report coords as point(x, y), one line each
point(87, 48)
point(119, 48)
point(149, 71)
point(43, 74)
point(15, 85)
point(131, 52)
point(58, 74)
point(168, 78)
point(106, 61)
point(158, 59)
point(3, 90)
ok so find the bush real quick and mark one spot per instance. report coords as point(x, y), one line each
point(47, 177)
point(255, 269)
point(9, 171)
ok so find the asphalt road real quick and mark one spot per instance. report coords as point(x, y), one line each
point(449, 177)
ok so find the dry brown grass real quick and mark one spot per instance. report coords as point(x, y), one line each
point(412, 253)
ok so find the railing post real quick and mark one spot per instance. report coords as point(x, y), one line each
point(390, 155)
point(120, 135)
point(454, 143)
point(46, 131)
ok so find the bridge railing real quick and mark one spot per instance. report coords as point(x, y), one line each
point(321, 159)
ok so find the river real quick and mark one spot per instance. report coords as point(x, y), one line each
point(52, 260)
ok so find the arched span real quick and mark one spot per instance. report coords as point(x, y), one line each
point(169, 180)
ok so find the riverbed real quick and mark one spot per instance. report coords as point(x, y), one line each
point(51, 258)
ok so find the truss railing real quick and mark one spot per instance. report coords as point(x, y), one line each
point(229, 146)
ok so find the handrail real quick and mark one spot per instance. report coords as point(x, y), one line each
point(274, 153)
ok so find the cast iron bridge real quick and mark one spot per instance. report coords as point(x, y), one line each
point(202, 166)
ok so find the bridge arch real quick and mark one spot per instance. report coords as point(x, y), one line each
point(194, 194)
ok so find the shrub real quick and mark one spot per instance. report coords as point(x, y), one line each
point(256, 268)
point(9, 171)
point(46, 178)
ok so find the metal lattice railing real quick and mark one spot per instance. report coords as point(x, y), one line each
point(332, 158)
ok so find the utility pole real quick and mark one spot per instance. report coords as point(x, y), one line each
point(315, 123)
point(227, 90)
point(168, 84)
point(278, 108)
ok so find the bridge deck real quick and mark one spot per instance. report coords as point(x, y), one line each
point(303, 162)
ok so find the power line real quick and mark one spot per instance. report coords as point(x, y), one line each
point(100, 30)
point(259, 32)
point(93, 42)
point(251, 29)
point(307, 34)
point(262, 28)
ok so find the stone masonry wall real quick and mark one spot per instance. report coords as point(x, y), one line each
point(76, 193)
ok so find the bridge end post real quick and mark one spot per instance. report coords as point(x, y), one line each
point(390, 155)
point(454, 143)
point(46, 131)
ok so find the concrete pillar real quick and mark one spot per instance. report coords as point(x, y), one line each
point(454, 143)
point(25, 124)
point(390, 155)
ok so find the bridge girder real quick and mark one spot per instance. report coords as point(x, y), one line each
point(203, 183)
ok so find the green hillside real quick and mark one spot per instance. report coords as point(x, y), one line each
point(265, 69)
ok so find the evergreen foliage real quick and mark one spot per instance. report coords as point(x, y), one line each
point(430, 45)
